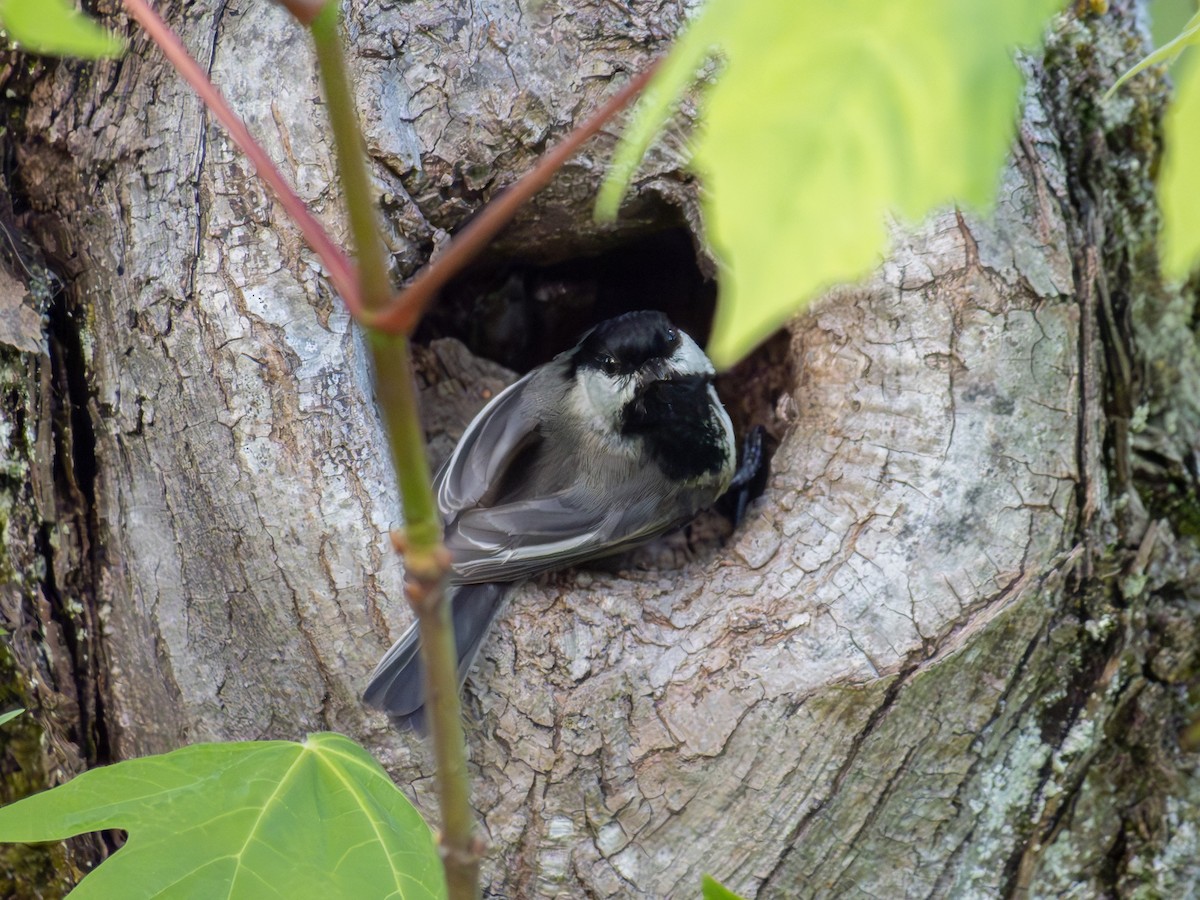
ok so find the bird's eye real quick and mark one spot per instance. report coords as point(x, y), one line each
point(672, 337)
point(609, 365)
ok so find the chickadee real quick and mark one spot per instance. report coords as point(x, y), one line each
point(608, 445)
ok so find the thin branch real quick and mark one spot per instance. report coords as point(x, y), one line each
point(425, 570)
point(341, 270)
point(408, 306)
point(426, 560)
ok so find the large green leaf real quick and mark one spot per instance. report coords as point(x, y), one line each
point(826, 117)
point(1179, 181)
point(55, 27)
point(271, 819)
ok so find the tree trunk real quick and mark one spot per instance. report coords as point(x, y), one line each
point(948, 653)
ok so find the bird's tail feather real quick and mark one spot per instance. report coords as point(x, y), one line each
point(397, 685)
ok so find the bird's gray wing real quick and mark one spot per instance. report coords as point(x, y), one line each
point(495, 437)
point(516, 540)
point(515, 506)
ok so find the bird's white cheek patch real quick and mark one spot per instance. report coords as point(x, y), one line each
point(597, 400)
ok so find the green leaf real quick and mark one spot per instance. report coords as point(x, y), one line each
point(56, 28)
point(825, 118)
point(271, 819)
point(1189, 35)
point(714, 890)
point(10, 715)
point(1179, 179)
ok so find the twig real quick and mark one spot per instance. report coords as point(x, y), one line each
point(426, 560)
point(406, 307)
point(425, 569)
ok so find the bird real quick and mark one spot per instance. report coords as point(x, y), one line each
point(608, 445)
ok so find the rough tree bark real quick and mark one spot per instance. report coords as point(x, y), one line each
point(948, 655)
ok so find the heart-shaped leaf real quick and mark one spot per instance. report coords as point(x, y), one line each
point(270, 819)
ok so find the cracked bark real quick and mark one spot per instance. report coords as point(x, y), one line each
point(949, 653)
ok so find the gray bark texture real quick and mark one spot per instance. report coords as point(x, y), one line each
point(953, 650)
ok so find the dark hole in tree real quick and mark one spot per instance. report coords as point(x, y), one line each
point(521, 314)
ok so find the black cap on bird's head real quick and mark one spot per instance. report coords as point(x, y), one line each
point(615, 363)
point(621, 346)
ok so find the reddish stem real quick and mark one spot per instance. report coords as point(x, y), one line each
point(341, 269)
point(407, 307)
